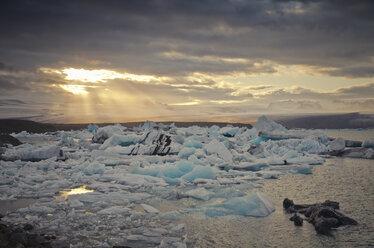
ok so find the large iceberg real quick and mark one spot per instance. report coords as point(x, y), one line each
point(27, 152)
point(264, 124)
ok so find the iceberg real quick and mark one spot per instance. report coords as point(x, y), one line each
point(200, 172)
point(200, 194)
point(104, 133)
point(23, 134)
point(190, 142)
point(368, 143)
point(92, 128)
point(254, 205)
point(229, 131)
point(121, 140)
point(337, 145)
point(185, 152)
point(264, 124)
point(219, 149)
point(27, 152)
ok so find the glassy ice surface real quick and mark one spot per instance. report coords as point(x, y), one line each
point(159, 185)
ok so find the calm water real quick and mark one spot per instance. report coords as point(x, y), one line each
point(348, 181)
point(350, 134)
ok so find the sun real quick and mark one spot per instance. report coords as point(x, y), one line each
point(92, 76)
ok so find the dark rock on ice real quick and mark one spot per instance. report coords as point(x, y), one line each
point(15, 236)
point(324, 225)
point(290, 207)
point(297, 220)
point(28, 227)
point(61, 156)
point(323, 216)
point(154, 143)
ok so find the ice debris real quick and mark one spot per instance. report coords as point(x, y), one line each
point(27, 152)
point(218, 169)
point(337, 145)
point(254, 205)
point(368, 143)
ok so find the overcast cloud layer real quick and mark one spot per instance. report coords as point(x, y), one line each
point(210, 60)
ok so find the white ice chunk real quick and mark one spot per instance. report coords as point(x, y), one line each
point(92, 128)
point(229, 131)
point(337, 144)
point(93, 168)
point(200, 194)
point(190, 142)
point(218, 148)
point(200, 172)
point(106, 132)
point(75, 203)
point(23, 134)
point(255, 205)
point(28, 152)
point(264, 124)
point(121, 140)
point(149, 209)
point(115, 210)
point(368, 143)
point(186, 152)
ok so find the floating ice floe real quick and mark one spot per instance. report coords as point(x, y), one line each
point(337, 145)
point(255, 205)
point(27, 152)
point(368, 143)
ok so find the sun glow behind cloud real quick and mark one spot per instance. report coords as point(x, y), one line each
point(75, 89)
point(99, 76)
point(95, 77)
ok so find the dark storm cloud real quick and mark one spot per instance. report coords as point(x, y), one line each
point(134, 35)
point(358, 91)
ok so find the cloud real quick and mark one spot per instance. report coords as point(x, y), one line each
point(359, 91)
point(39, 33)
point(225, 57)
point(363, 104)
point(7, 102)
point(291, 105)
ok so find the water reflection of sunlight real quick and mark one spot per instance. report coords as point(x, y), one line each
point(76, 191)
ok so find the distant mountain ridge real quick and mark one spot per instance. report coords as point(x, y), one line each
point(17, 125)
point(335, 121)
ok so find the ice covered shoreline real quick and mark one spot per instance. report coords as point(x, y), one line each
point(132, 170)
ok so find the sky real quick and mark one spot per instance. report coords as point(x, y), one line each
point(197, 60)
